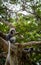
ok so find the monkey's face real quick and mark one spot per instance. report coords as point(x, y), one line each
point(13, 32)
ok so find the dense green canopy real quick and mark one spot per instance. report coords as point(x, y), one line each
point(28, 26)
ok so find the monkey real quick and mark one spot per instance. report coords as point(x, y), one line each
point(10, 34)
point(9, 37)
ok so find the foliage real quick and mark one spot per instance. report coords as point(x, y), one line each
point(28, 26)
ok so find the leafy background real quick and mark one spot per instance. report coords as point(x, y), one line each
point(29, 26)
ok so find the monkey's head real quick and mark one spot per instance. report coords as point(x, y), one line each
point(13, 31)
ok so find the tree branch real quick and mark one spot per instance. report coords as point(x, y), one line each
point(31, 43)
point(7, 23)
point(5, 44)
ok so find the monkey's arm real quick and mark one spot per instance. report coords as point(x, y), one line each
point(2, 35)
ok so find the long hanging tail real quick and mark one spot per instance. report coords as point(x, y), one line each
point(8, 55)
